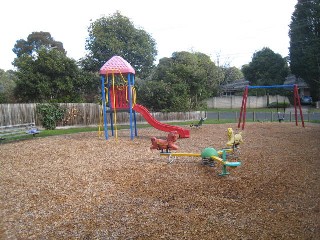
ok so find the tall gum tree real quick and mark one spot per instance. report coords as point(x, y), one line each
point(117, 35)
point(305, 44)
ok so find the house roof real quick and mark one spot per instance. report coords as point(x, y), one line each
point(292, 79)
point(236, 85)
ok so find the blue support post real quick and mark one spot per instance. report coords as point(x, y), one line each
point(130, 106)
point(134, 112)
point(111, 123)
point(110, 107)
point(105, 121)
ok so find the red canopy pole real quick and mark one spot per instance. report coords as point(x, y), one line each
point(295, 104)
point(245, 93)
point(245, 107)
point(296, 93)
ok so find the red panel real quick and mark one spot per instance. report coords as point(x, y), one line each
point(120, 97)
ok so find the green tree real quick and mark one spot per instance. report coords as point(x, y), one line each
point(185, 79)
point(7, 85)
point(49, 75)
point(305, 43)
point(231, 74)
point(34, 42)
point(160, 96)
point(117, 35)
point(266, 68)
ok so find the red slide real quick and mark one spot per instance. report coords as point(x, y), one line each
point(184, 133)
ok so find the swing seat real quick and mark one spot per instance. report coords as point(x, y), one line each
point(199, 124)
point(280, 119)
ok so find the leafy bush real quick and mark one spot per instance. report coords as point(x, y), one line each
point(50, 114)
point(278, 105)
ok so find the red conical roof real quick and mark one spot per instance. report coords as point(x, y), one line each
point(116, 64)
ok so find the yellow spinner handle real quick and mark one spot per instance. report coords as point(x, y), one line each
point(229, 164)
point(181, 154)
point(228, 150)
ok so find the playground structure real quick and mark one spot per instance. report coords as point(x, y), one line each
point(208, 155)
point(119, 95)
point(296, 99)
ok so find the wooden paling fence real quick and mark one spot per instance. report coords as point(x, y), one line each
point(81, 114)
point(15, 114)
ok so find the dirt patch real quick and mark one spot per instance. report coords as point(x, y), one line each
point(81, 186)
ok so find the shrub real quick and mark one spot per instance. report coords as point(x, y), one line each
point(50, 114)
point(279, 105)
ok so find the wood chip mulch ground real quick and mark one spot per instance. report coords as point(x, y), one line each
point(81, 186)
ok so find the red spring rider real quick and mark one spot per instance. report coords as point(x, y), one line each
point(168, 144)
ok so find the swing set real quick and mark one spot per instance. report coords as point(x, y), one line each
point(297, 104)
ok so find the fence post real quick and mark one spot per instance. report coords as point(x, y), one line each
point(290, 116)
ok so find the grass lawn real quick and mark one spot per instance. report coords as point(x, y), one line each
point(310, 110)
point(61, 131)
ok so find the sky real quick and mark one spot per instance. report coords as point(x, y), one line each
point(229, 31)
